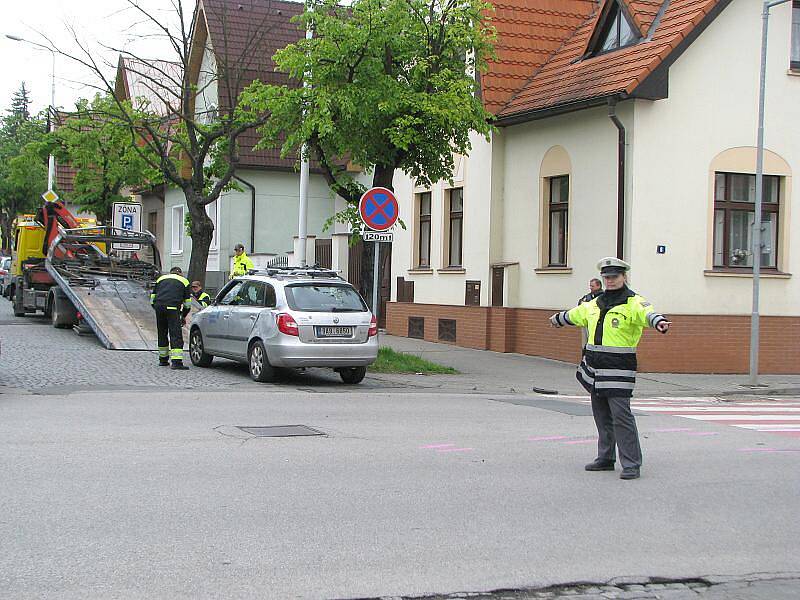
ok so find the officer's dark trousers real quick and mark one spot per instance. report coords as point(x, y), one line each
point(170, 333)
point(616, 426)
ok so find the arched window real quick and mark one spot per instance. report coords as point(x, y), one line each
point(555, 189)
point(733, 197)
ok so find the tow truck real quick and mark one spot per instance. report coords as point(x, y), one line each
point(63, 271)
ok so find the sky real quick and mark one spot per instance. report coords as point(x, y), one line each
point(96, 22)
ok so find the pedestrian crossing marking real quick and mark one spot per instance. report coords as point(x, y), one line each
point(779, 417)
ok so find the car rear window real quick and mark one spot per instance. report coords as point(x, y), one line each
point(324, 297)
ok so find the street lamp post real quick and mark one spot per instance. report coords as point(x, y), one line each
point(51, 161)
point(754, 319)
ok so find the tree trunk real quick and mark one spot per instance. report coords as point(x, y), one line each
point(5, 230)
point(383, 176)
point(202, 232)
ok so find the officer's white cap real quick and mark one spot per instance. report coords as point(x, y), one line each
point(611, 264)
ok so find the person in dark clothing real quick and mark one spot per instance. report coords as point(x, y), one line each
point(200, 295)
point(595, 289)
point(171, 299)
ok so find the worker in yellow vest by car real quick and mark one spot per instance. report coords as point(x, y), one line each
point(241, 262)
point(615, 320)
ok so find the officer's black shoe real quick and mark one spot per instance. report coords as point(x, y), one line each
point(177, 365)
point(163, 362)
point(600, 465)
point(629, 473)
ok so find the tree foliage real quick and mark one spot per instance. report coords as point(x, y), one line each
point(23, 174)
point(391, 85)
point(191, 142)
point(96, 142)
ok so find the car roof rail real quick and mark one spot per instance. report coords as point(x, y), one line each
point(296, 271)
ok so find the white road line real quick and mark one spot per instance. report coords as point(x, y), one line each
point(768, 427)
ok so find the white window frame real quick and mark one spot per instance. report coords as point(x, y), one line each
point(176, 241)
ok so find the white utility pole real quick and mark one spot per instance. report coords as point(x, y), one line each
point(302, 220)
point(754, 319)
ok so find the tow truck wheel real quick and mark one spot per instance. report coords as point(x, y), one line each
point(197, 351)
point(62, 312)
point(19, 308)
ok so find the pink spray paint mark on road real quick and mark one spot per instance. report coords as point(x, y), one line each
point(433, 446)
point(454, 450)
point(547, 438)
point(581, 442)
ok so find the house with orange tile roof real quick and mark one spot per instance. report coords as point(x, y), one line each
point(624, 128)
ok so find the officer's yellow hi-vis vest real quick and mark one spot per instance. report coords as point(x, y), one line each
point(609, 359)
point(241, 265)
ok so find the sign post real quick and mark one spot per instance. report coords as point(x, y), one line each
point(379, 211)
point(128, 216)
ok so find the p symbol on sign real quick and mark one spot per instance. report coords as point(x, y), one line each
point(127, 222)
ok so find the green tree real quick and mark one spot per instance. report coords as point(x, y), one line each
point(391, 86)
point(23, 174)
point(97, 142)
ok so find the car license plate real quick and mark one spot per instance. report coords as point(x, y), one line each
point(334, 332)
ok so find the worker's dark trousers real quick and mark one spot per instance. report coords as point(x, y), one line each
point(170, 333)
point(616, 426)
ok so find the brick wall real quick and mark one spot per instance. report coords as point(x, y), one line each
point(695, 344)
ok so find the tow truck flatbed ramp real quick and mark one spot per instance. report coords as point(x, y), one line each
point(119, 313)
point(112, 297)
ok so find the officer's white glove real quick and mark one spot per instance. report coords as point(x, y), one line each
point(554, 321)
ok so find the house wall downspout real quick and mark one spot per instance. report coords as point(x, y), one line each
point(612, 113)
point(252, 212)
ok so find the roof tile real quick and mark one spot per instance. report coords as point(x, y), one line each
point(567, 77)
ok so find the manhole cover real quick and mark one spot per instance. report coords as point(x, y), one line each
point(281, 431)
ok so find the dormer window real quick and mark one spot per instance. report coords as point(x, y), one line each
point(614, 32)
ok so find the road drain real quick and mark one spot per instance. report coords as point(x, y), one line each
point(280, 431)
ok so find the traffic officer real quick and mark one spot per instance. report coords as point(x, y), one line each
point(171, 299)
point(615, 320)
point(241, 262)
point(199, 294)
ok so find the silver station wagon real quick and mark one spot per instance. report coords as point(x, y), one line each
point(287, 317)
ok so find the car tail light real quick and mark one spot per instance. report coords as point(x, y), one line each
point(287, 325)
point(373, 326)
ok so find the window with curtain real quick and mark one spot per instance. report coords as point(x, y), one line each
point(424, 230)
point(616, 32)
point(558, 212)
point(455, 247)
point(734, 215)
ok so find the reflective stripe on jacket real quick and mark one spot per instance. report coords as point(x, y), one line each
point(172, 291)
point(609, 362)
point(203, 298)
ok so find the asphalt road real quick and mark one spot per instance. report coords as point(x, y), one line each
point(150, 490)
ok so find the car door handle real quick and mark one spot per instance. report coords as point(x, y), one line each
point(226, 316)
point(253, 317)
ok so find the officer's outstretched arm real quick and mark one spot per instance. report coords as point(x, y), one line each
point(576, 316)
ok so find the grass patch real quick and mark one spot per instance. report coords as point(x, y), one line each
point(390, 361)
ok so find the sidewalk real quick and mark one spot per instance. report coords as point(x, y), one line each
point(486, 371)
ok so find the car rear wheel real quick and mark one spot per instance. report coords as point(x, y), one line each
point(197, 351)
point(353, 375)
point(260, 369)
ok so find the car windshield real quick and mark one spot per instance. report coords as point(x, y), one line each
point(324, 297)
